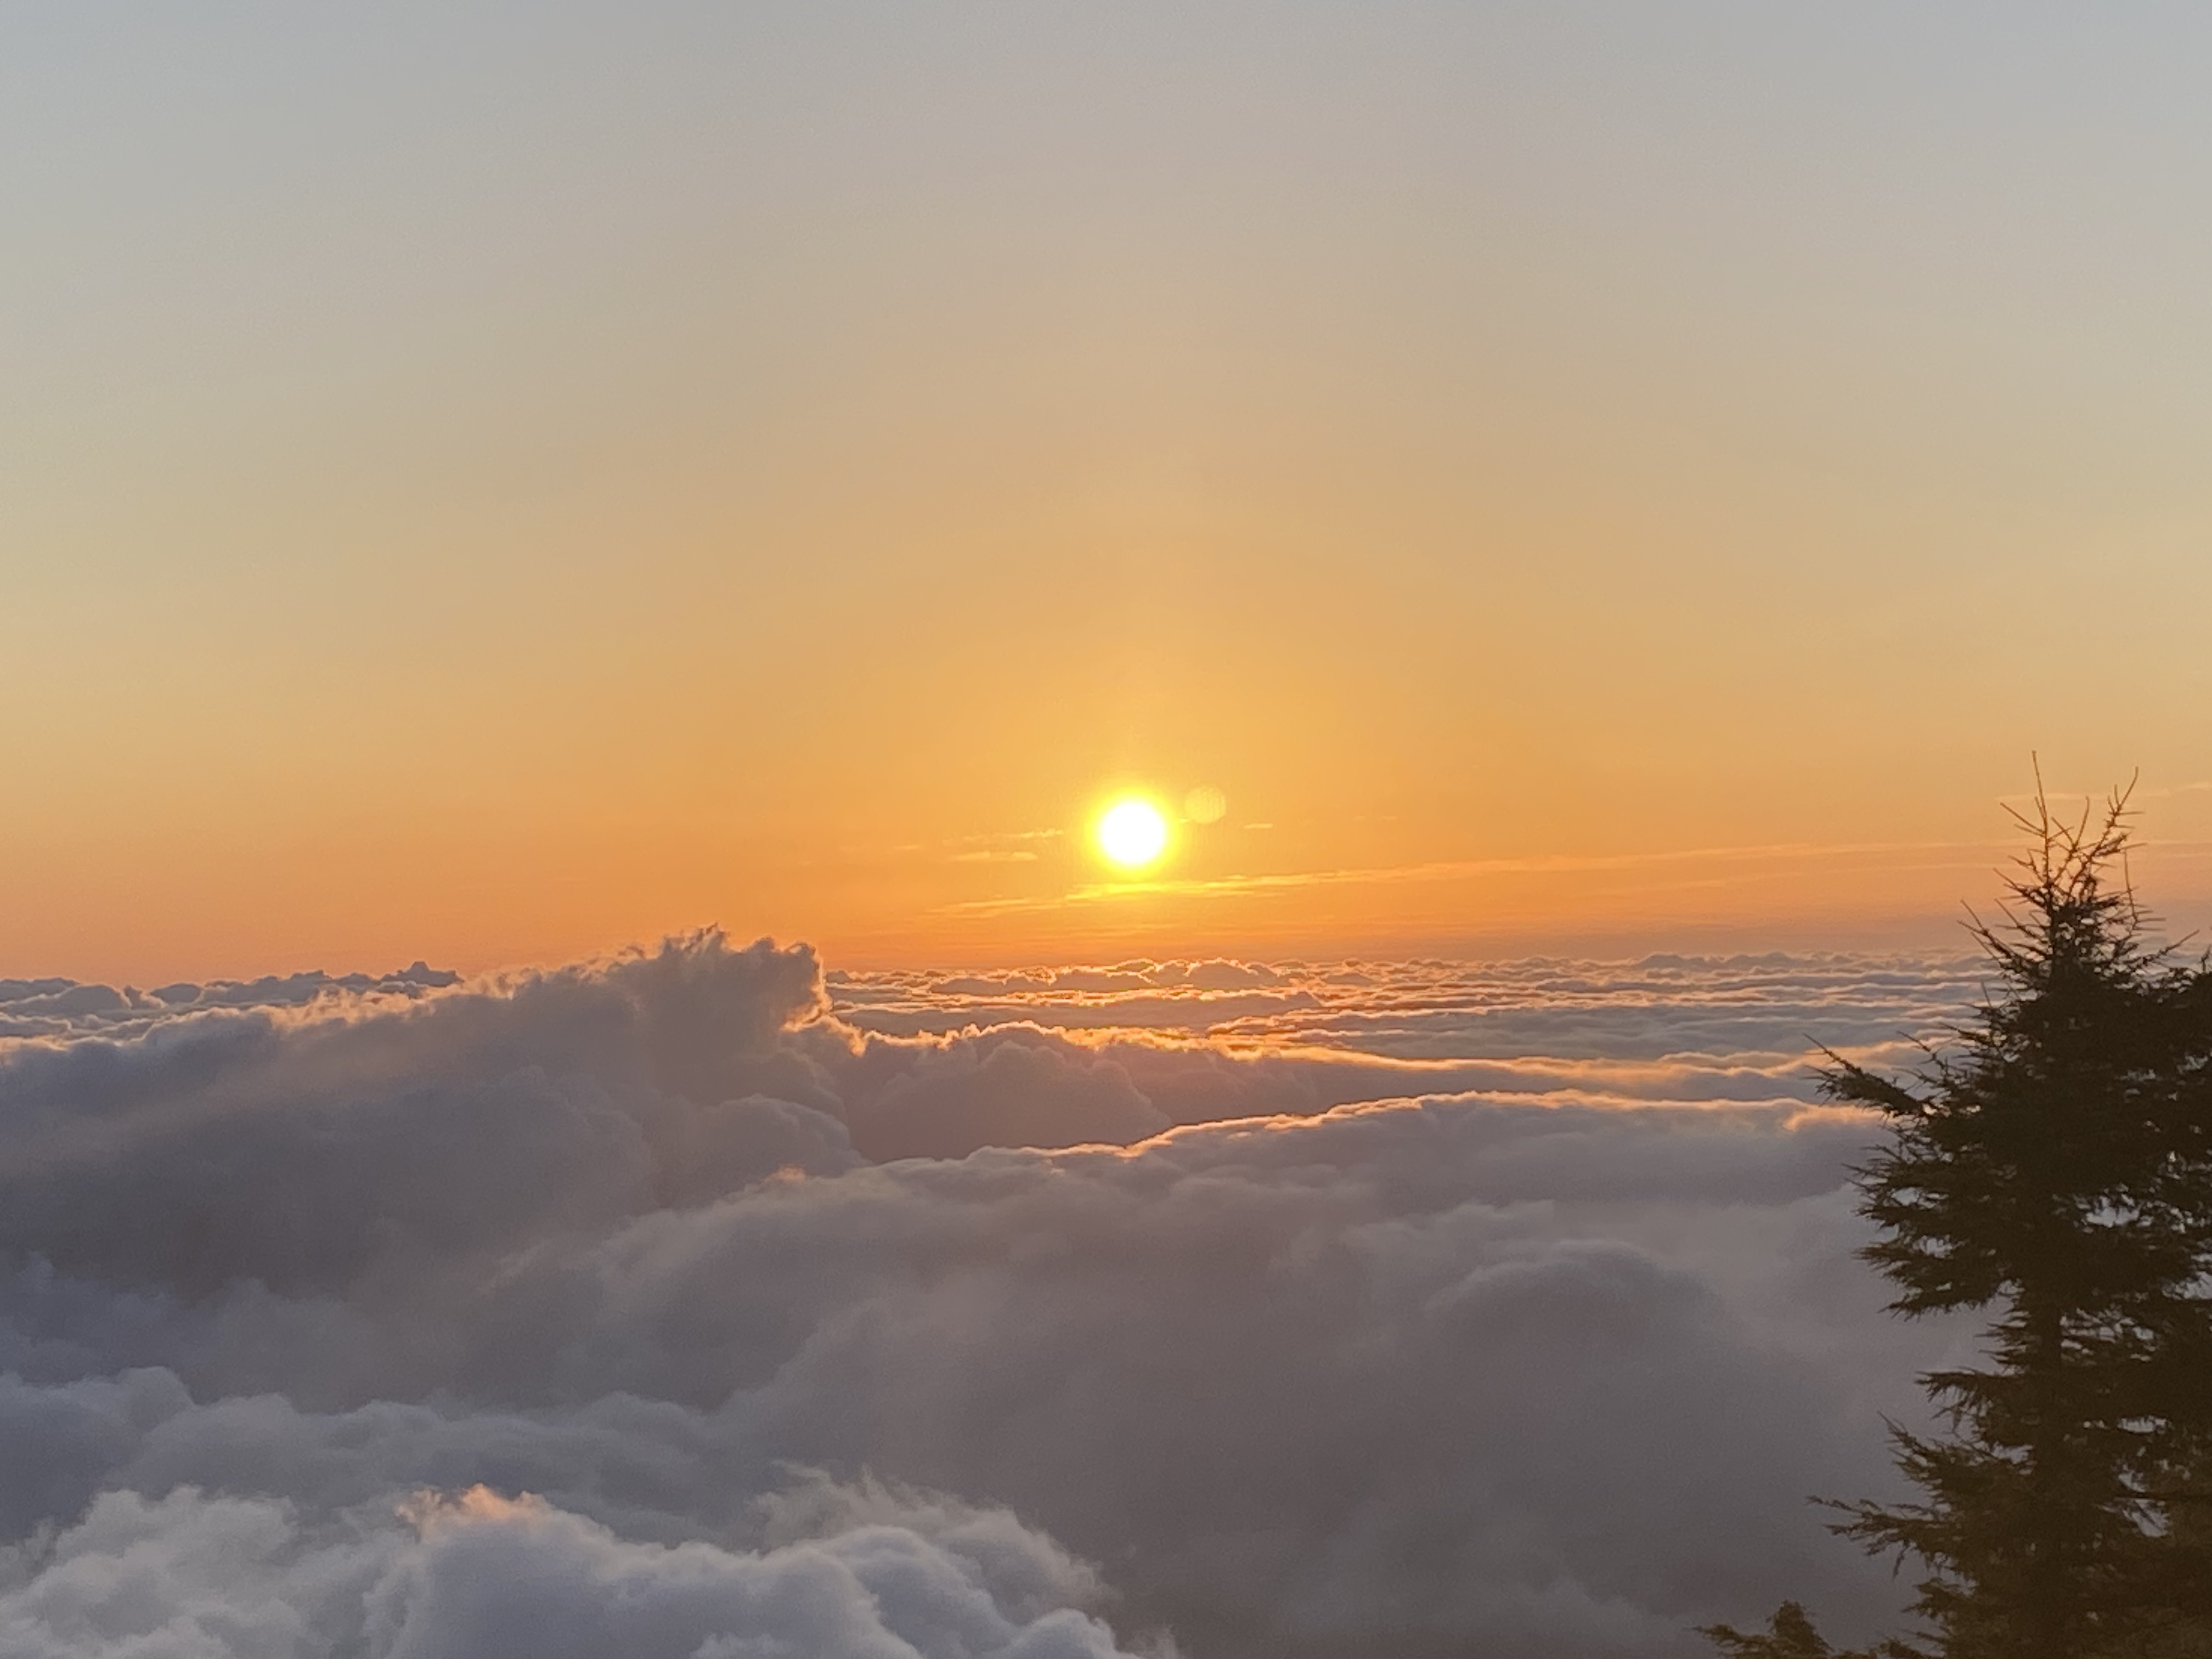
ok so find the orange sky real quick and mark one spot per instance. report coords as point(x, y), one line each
point(490, 490)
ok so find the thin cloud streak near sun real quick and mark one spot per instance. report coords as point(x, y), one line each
point(1548, 863)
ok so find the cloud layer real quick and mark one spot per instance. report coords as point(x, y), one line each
point(1320, 1310)
point(482, 1576)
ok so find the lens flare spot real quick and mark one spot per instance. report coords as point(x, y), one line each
point(1205, 804)
point(1131, 832)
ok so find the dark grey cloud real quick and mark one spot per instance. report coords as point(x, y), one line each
point(1541, 1354)
point(303, 1151)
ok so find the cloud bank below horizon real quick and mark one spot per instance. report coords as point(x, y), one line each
point(1291, 1308)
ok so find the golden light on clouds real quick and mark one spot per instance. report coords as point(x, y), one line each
point(1131, 832)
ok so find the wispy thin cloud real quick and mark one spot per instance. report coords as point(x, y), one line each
point(1454, 870)
point(2092, 797)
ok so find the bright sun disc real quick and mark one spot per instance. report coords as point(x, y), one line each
point(1132, 832)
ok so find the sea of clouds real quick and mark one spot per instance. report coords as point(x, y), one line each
point(696, 1303)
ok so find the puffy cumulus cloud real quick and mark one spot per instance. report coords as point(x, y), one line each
point(1204, 1042)
point(300, 1149)
point(645, 1049)
point(192, 1576)
point(61, 1008)
point(965, 1095)
point(1400, 1378)
point(310, 1133)
point(1770, 1006)
point(1541, 1354)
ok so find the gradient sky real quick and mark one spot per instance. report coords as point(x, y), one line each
point(491, 481)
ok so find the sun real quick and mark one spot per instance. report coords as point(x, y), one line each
point(1131, 832)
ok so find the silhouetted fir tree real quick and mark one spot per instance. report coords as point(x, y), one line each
point(2054, 1164)
point(1789, 1635)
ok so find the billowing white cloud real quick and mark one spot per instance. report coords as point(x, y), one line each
point(1404, 1342)
point(479, 1576)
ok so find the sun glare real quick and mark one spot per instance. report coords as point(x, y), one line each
point(1131, 832)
